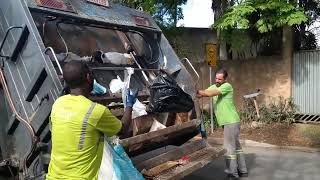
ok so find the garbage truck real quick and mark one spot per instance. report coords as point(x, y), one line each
point(39, 36)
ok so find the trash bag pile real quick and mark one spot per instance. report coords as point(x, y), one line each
point(167, 96)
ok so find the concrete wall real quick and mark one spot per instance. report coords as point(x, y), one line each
point(270, 74)
point(191, 42)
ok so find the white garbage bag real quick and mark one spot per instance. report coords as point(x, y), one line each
point(116, 58)
point(116, 85)
point(116, 165)
point(156, 125)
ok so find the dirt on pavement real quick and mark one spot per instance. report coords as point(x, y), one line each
point(281, 134)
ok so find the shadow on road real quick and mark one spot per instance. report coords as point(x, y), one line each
point(215, 170)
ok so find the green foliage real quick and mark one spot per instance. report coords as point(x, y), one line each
point(254, 19)
point(264, 15)
point(280, 110)
point(165, 12)
point(248, 111)
point(303, 37)
point(238, 39)
point(236, 18)
point(305, 41)
point(207, 120)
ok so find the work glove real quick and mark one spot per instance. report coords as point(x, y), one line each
point(131, 97)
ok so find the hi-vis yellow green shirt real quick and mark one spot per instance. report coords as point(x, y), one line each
point(223, 104)
point(77, 128)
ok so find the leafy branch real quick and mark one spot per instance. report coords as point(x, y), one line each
point(262, 16)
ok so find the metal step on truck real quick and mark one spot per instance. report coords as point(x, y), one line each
point(39, 36)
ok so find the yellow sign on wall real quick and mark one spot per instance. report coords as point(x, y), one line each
point(211, 54)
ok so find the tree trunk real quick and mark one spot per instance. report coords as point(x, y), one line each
point(175, 15)
point(219, 7)
point(287, 52)
point(287, 43)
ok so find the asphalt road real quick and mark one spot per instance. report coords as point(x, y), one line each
point(267, 164)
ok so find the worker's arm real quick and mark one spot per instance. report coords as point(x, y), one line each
point(127, 116)
point(126, 122)
point(213, 90)
point(108, 124)
point(208, 93)
point(111, 125)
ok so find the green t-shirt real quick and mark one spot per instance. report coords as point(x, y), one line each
point(223, 104)
point(77, 128)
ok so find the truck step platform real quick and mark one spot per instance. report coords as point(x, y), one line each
point(177, 162)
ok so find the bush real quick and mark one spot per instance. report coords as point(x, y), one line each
point(248, 111)
point(207, 120)
point(280, 110)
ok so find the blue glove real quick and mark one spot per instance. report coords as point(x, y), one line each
point(131, 97)
point(98, 89)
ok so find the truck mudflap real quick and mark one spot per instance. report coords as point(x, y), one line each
point(174, 163)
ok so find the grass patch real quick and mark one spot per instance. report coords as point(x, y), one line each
point(311, 132)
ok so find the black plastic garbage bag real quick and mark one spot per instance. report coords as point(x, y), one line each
point(167, 96)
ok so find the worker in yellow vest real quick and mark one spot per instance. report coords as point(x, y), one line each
point(78, 125)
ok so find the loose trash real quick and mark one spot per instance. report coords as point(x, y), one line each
point(98, 89)
point(117, 85)
point(115, 58)
point(156, 126)
point(63, 57)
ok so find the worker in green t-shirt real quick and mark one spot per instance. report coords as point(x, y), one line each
point(228, 118)
point(78, 126)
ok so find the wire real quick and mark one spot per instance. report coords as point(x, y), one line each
point(4, 85)
point(11, 173)
point(19, 118)
point(64, 42)
point(35, 167)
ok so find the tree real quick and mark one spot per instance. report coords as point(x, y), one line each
point(255, 21)
point(165, 12)
point(264, 15)
point(304, 35)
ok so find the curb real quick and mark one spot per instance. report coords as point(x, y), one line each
point(250, 143)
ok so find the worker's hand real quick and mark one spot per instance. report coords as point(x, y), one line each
point(131, 97)
point(198, 94)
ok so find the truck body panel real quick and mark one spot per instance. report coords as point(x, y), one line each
point(38, 37)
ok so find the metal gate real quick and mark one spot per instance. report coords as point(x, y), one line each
point(306, 84)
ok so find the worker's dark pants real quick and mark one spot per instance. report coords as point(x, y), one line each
point(235, 160)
